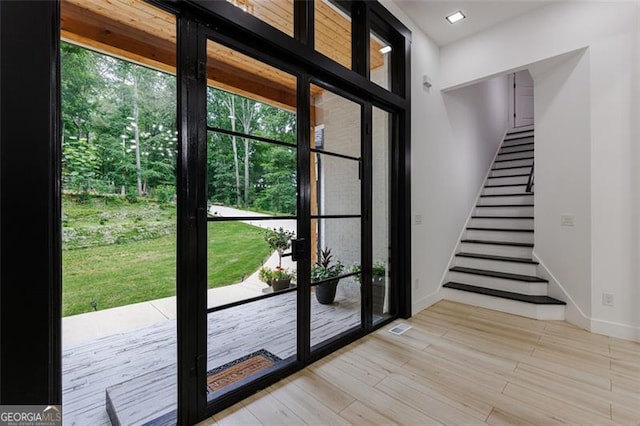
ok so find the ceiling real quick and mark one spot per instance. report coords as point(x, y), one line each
point(480, 15)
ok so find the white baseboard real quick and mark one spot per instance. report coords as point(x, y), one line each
point(573, 312)
point(426, 301)
point(575, 315)
point(615, 329)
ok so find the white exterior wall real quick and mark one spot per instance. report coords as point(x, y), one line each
point(604, 80)
point(340, 182)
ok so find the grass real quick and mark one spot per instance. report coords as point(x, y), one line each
point(137, 271)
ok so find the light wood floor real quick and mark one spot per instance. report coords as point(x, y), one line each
point(460, 365)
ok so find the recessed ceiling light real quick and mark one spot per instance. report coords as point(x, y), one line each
point(385, 49)
point(455, 17)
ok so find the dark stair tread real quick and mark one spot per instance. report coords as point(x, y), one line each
point(505, 185)
point(520, 131)
point(497, 243)
point(511, 167)
point(501, 258)
point(536, 300)
point(517, 138)
point(516, 145)
point(504, 205)
point(502, 217)
point(513, 194)
point(515, 152)
point(496, 274)
point(508, 176)
point(514, 159)
point(476, 228)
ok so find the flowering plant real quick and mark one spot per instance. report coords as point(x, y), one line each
point(279, 273)
point(279, 240)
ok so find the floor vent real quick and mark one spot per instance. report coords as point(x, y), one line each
point(399, 329)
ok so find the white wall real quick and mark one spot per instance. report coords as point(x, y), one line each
point(562, 177)
point(608, 77)
point(454, 138)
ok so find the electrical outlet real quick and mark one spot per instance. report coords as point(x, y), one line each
point(418, 219)
point(567, 220)
point(607, 299)
point(416, 284)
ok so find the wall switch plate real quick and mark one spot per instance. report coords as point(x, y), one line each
point(418, 219)
point(607, 299)
point(416, 284)
point(567, 220)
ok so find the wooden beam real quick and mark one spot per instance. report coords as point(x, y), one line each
point(99, 32)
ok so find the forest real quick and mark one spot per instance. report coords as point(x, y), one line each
point(119, 157)
point(119, 137)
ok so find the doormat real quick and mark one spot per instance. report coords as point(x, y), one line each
point(239, 369)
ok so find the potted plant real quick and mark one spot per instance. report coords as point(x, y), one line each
point(279, 240)
point(378, 274)
point(323, 270)
point(278, 278)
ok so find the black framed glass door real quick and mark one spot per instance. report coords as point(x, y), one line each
point(280, 172)
point(252, 213)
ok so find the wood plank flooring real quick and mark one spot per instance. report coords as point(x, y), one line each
point(460, 364)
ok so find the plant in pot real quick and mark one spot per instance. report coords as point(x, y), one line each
point(279, 240)
point(378, 274)
point(277, 278)
point(323, 270)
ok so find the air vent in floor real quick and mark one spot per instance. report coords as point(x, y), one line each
point(399, 329)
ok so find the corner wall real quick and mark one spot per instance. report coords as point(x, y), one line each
point(454, 137)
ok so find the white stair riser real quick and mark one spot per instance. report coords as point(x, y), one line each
point(506, 236)
point(496, 265)
point(529, 310)
point(504, 189)
point(513, 163)
point(515, 155)
point(501, 223)
point(517, 140)
point(497, 250)
point(504, 200)
point(507, 172)
point(503, 211)
point(532, 289)
point(507, 149)
point(509, 180)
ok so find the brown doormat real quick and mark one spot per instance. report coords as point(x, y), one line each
point(239, 369)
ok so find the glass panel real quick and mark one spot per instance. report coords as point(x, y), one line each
point(248, 178)
point(337, 122)
point(242, 91)
point(245, 257)
point(277, 13)
point(119, 155)
point(335, 305)
point(247, 341)
point(249, 259)
point(333, 31)
point(380, 66)
point(337, 185)
point(381, 199)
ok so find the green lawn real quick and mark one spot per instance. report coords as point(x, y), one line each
point(132, 272)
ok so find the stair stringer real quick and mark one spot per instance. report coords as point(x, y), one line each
point(573, 313)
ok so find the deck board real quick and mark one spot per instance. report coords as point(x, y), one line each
point(146, 358)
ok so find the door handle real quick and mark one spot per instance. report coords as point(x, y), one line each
point(298, 249)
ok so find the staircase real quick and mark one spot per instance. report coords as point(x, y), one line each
point(493, 266)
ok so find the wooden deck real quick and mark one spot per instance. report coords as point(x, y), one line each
point(140, 366)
